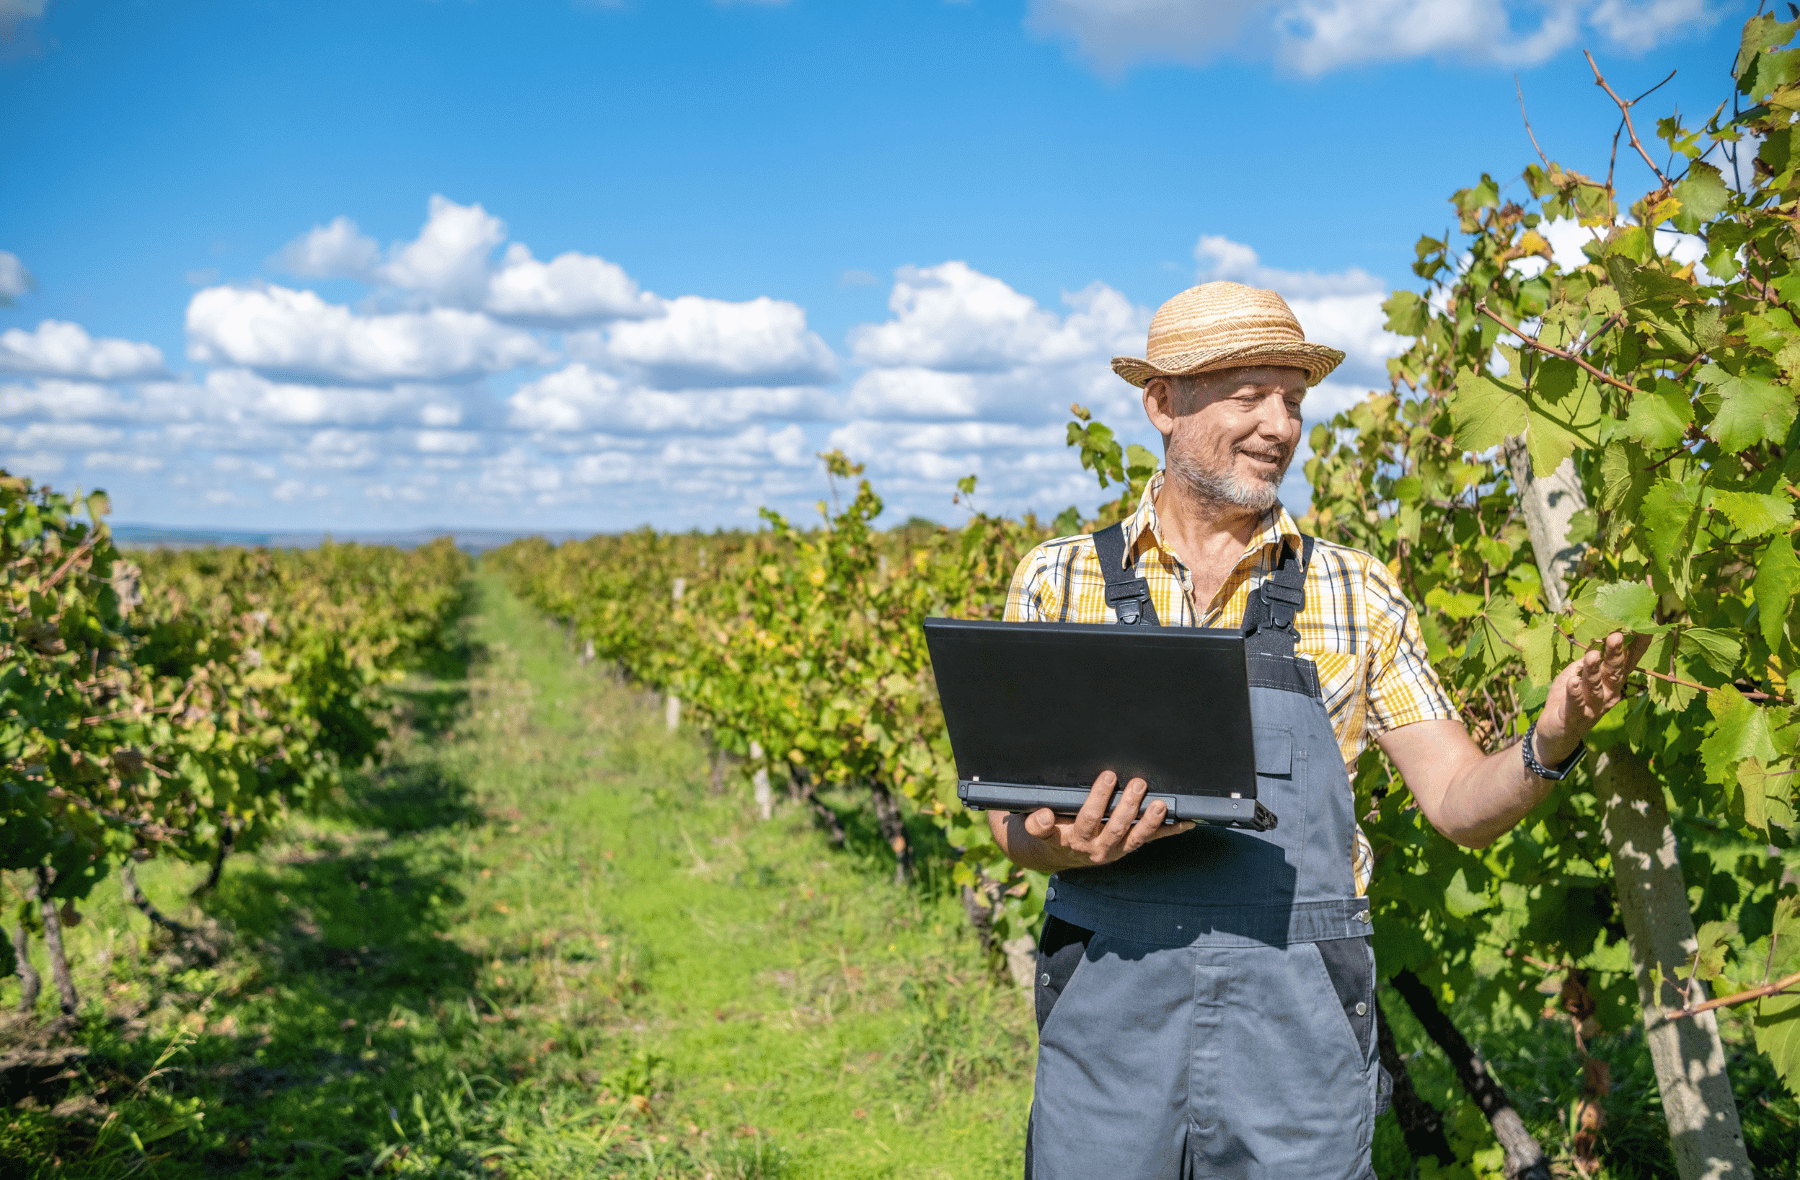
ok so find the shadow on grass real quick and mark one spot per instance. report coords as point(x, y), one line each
point(342, 1000)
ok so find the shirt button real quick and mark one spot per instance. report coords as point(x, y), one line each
point(1362, 1009)
point(1044, 979)
point(1050, 893)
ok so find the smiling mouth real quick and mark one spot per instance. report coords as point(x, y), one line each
point(1273, 460)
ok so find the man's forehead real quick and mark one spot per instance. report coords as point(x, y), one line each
point(1257, 377)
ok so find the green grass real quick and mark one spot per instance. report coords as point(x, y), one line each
point(537, 944)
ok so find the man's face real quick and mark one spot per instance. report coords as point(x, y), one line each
point(1229, 436)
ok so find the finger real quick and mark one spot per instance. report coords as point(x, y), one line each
point(1040, 823)
point(1123, 815)
point(1145, 829)
point(1174, 829)
point(1093, 809)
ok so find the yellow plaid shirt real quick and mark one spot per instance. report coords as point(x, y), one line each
point(1356, 627)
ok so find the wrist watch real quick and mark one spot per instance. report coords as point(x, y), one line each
point(1555, 774)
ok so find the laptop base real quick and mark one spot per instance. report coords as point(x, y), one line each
point(1206, 809)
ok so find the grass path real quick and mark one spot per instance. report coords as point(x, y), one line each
point(537, 944)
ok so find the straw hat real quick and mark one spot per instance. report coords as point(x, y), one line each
point(1226, 326)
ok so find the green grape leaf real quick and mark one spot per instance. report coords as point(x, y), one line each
point(1740, 731)
point(1768, 794)
point(1777, 578)
point(1751, 410)
point(1777, 1028)
point(1755, 514)
point(1539, 644)
point(1703, 196)
point(1714, 940)
point(1628, 605)
point(1485, 411)
point(1562, 426)
point(1670, 515)
point(1720, 651)
point(1659, 418)
point(1460, 901)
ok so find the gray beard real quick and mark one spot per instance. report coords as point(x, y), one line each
point(1258, 495)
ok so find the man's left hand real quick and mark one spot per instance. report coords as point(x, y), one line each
point(1582, 693)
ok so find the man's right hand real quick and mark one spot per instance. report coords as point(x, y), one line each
point(1049, 842)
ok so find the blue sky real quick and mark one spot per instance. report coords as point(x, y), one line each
point(590, 265)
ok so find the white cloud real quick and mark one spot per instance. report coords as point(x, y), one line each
point(58, 436)
point(1317, 36)
point(32, 464)
point(952, 317)
point(241, 395)
point(700, 341)
point(1639, 27)
point(345, 450)
point(289, 490)
point(118, 461)
point(1322, 35)
point(580, 397)
point(1342, 309)
point(335, 251)
point(570, 287)
point(1221, 258)
point(1116, 34)
point(62, 400)
point(297, 334)
point(448, 261)
point(450, 264)
point(62, 349)
point(14, 279)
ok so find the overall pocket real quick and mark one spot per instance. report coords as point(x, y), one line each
point(1060, 950)
point(1350, 965)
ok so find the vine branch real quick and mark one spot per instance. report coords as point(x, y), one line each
point(1743, 997)
point(1625, 110)
point(1534, 343)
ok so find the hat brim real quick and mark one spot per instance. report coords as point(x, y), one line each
point(1315, 360)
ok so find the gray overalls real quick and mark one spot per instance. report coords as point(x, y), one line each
point(1206, 1005)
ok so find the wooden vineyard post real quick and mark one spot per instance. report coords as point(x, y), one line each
point(759, 783)
point(1687, 1055)
point(672, 704)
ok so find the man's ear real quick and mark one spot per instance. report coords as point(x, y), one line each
point(1159, 405)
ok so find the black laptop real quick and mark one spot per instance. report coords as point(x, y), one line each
point(1036, 711)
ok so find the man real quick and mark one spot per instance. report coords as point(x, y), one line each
point(1206, 996)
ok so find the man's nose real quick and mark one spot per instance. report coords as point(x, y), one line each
point(1274, 420)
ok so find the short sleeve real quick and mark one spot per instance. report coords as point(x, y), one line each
point(1025, 596)
point(1403, 686)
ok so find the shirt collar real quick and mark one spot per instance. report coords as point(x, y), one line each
point(1276, 527)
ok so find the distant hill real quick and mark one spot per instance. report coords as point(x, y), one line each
point(145, 536)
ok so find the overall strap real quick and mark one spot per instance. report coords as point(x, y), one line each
point(1274, 604)
point(1126, 593)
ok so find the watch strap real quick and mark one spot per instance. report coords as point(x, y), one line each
point(1555, 774)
